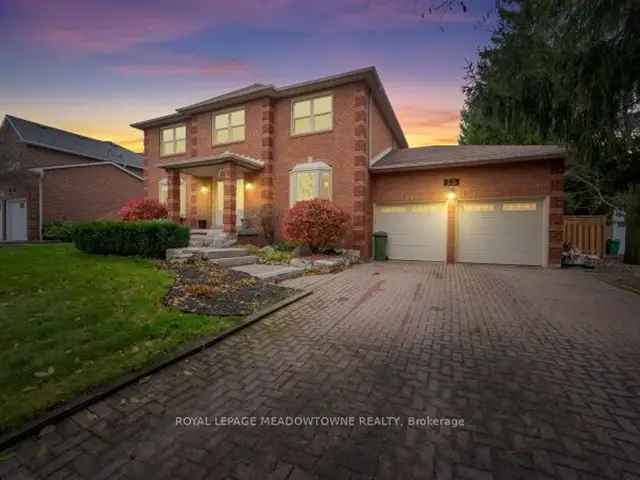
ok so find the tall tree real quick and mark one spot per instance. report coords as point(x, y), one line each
point(564, 71)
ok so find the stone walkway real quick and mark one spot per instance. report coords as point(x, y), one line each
point(542, 366)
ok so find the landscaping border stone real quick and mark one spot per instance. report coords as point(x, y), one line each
point(69, 408)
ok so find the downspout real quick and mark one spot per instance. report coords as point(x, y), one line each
point(369, 129)
point(40, 202)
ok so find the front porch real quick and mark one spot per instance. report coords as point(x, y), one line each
point(221, 199)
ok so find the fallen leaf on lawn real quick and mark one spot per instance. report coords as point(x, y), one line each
point(144, 379)
point(135, 349)
point(28, 389)
point(47, 373)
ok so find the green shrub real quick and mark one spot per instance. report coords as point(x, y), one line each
point(285, 246)
point(61, 231)
point(145, 238)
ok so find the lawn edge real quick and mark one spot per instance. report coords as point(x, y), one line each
point(73, 406)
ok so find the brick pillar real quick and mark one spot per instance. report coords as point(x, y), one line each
point(556, 211)
point(452, 210)
point(229, 213)
point(192, 137)
point(266, 175)
point(147, 162)
point(361, 205)
point(195, 186)
point(173, 195)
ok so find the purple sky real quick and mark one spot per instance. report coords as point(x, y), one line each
point(95, 67)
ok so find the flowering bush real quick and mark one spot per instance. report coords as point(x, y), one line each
point(316, 223)
point(140, 209)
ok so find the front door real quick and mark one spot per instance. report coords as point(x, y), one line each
point(218, 207)
point(16, 218)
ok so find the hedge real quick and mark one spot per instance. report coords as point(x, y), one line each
point(145, 238)
point(61, 231)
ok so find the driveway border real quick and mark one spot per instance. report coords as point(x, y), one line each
point(71, 407)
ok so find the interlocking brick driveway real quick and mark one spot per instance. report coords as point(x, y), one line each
point(542, 365)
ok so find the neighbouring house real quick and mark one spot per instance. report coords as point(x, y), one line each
point(229, 162)
point(48, 175)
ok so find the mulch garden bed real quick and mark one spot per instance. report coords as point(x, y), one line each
point(205, 288)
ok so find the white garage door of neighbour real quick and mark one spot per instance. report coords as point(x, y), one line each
point(506, 232)
point(416, 231)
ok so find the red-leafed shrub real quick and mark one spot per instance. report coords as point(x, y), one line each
point(316, 223)
point(140, 209)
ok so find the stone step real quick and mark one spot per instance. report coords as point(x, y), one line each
point(177, 254)
point(210, 253)
point(272, 273)
point(235, 261)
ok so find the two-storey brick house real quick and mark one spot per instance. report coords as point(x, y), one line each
point(224, 162)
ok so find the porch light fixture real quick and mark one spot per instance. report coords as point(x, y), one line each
point(451, 195)
point(249, 186)
point(204, 189)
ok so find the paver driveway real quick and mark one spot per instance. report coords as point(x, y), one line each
point(542, 365)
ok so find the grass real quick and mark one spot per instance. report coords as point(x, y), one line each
point(70, 321)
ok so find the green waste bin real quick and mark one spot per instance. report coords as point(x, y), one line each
point(613, 247)
point(380, 246)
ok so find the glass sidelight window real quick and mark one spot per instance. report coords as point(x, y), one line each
point(163, 195)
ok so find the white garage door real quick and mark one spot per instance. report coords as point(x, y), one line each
point(507, 232)
point(416, 232)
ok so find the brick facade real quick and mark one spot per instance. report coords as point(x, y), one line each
point(71, 198)
point(268, 138)
point(360, 132)
point(87, 193)
point(531, 179)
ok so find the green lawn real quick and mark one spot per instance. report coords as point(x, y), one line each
point(70, 321)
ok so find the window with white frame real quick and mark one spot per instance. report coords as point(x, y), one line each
point(313, 114)
point(229, 127)
point(173, 140)
point(310, 180)
point(163, 195)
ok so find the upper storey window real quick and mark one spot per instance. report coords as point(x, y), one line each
point(173, 140)
point(311, 115)
point(228, 127)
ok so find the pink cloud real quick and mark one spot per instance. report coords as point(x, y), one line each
point(86, 26)
point(183, 66)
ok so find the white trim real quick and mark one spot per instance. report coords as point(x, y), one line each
point(305, 167)
point(40, 205)
point(2, 215)
point(373, 160)
point(92, 164)
point(213, 160)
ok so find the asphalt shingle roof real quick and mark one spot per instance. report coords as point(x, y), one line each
point(452, 155)
point(49, 137)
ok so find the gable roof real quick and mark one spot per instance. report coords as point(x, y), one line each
point(39, 135)
point(369, 75)
point(443, 156)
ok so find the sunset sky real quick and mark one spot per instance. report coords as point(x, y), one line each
point(95, 67)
